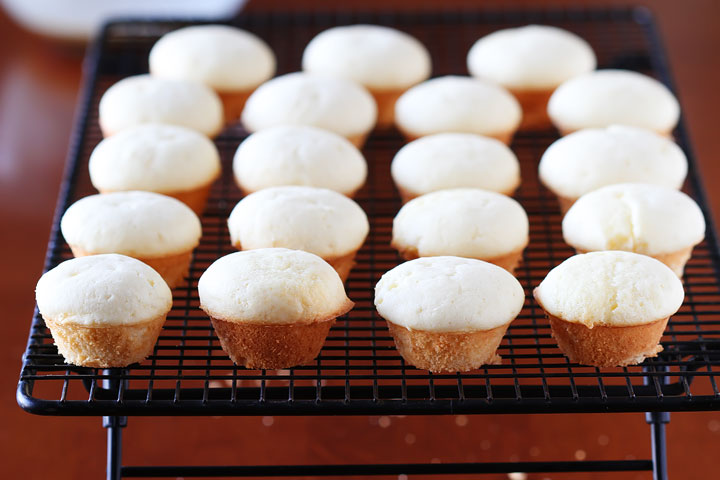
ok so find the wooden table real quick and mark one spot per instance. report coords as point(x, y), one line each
point(39, 81)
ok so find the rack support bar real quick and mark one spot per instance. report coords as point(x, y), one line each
point(114, 427)
point(657, 421)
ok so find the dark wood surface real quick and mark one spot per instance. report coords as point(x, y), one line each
point(39, 82)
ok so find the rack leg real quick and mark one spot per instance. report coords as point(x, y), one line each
point(114, 427)
point(657, 421)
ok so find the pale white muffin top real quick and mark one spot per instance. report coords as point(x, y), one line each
point(635, 217)
point(448, 294)
point(378, 57)
point(224, 58)
point(154, 157)
point(530, 57)
point(102, 290)
point(454, 160)
point(457, 104)
point(610, 289)
point(299, 155)
point(138, 224)
point(316, 220)
point(465, 222)
point(606, 97)
point(145, 99)
point(592, 158)
point(299, 98)
point(272, 286)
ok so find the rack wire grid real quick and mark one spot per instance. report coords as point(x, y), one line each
point(359, 371)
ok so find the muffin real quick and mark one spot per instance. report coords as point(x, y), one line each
point(316, 220)
point(144, 99)
point(607, 97)
point(462, 222)
point(454, 160)
point(167, 159)
point(272, 307)
point(592, 158)
point(157, 230)
point(656, 221)
point(384, 60)
point(609, 309)
point(457, 104)
point(299, 98)
point(531, 62)
point(299, 155)
point(103, 311)
point(448, 314)
point(231, 61)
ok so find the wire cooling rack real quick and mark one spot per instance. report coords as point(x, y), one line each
point(359, 371)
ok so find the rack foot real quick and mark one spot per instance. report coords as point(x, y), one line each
point(114, 445)
point(657, 421)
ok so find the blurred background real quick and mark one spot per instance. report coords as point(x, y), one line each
point(40, 77)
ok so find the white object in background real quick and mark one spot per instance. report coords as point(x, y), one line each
point(81, 19)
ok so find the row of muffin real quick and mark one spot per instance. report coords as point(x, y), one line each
point(273, 308)
point(653, 219)
point(358, 76)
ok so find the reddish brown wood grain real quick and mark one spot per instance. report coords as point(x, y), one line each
point(39, 82)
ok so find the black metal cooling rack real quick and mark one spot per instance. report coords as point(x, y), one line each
point(358, 370)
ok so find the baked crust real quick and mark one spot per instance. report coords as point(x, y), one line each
point(565, 203)
point(407, 195)
point(173, 268)
point(271, 346)
point(196, 198)
point(675, 260)
point(106, 346)
point(508, 261)
point(358, 140)
point(607, 346)
point(245, 192)
point(534, 108)
point(448, 351)
point(505, 137)
point(343, 264)
point(233, 104)
point(567, 131)
point(385, 100)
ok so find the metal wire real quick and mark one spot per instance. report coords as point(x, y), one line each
point(359, 371)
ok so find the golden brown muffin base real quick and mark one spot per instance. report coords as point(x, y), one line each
point(534, 108)
point(565, 203)
point(173, 268)
point(567, 131)
point(607, 346)
point(447, 351)
point(509, 261)
point(196, 198)
point(105, 346)
point(343, 264)
point(385, 100)
point(271, 346)
point(245, 192)
point(109, 133)
point(675, 260)
point(407, 195)
point(505, 137)
point(233, 104)
point(358, 140)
